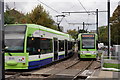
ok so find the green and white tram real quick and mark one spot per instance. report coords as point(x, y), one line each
point(87, 45)
point(29, 46)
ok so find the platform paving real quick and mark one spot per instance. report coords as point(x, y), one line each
point(42, 71)
point(112, 61)
point(53, 71)
point(105, 75)
point(69, 72)
point(116, 75)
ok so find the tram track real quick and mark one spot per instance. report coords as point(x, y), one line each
point(53, 76)
point(14, 74)
point(85, 68)
point(80, 66)
point(46, 76)
point(70, 67)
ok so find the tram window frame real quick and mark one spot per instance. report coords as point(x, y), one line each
point(36, 46)
point(14, 30)
point(49, 44)
point(33, 46)
point(61, 45)
point(88, 38)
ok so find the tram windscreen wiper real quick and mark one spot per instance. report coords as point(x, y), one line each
point(87, 49)
point(10, 54)
point(6, 50)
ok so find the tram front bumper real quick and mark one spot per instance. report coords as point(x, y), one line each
point(88, 56)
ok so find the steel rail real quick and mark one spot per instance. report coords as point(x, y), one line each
point(82, 70)
point(51, 76)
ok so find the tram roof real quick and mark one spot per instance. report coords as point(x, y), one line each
point(43, 28)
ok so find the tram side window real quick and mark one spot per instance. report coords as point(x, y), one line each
point(61, 45)
point(33, 45)
point(39, 45)
point(69, 45)
point(46, 46)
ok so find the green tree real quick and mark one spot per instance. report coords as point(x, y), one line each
point(115, 33)
point(13, 16)
point(73, 33)
point(37, 16)
point(103, 34)
point(115, 26)
point(7, 18)
point(41, 17)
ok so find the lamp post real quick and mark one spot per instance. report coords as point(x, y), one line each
point(2, 76)
point(109, 39)
point(97, 23)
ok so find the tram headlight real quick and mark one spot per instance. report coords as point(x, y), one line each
point(6, 47)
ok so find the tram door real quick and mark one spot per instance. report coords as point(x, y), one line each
point(55, 48)
point(66, 47)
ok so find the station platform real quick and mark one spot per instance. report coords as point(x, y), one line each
point(105, 75)
point(109, 71)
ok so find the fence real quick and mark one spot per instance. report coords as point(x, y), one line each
point(113, 62)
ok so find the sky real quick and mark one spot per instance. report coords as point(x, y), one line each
point(59, 6)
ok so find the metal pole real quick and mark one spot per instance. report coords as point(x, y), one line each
point(109, 42)
point(97, 23)
point(2, 76)
point(58, 26)
point(78, 29)
point(83, 25)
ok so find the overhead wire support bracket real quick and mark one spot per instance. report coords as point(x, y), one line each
point(82, 23)
point(58, 22)
point(60, 15)
point(83, 11)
